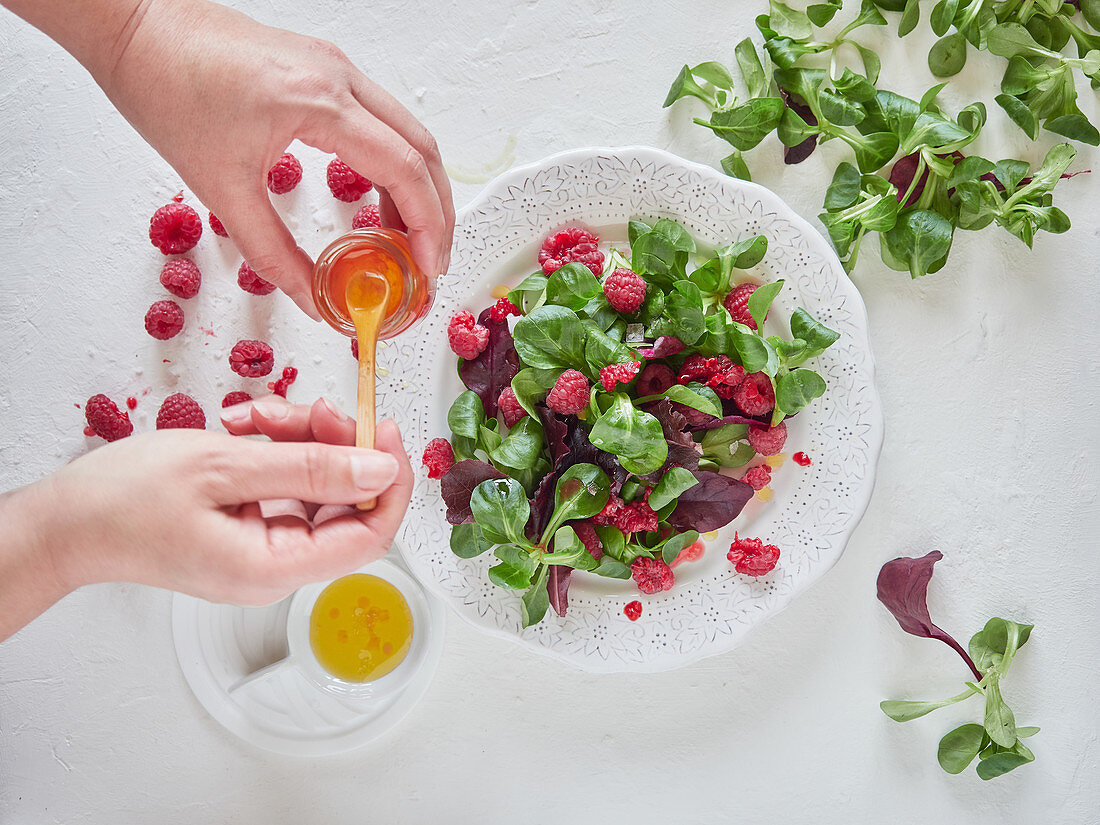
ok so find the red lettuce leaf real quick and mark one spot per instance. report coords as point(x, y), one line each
point(494, 369)
point(555, 430)
point(903, 588)
point(673, 420)
point(728, 419)
point(664, 346)
point(557, 587)
point(712, 503)
point(799, 153)
point(458, 485)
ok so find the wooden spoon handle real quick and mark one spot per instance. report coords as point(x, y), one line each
point(365, 411)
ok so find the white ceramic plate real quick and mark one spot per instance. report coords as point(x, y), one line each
point(814, 510)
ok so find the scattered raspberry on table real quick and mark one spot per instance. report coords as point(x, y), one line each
point(105, 419)
point(367, 216)
point(752, 557)
point(175, 228)
point(467, 338)
point(438, 457)
point(284, 175)
point(181, 277)
point(234, 398)
point(164, 320)
point(216, 225)
point(574, 245)
point(180, 411)
point(652, 575)
point(250, 282)
point(281, 385)
point(736, 303)
point(624, 290)
point(251, 359)
point(345, 183)
point(569, 394)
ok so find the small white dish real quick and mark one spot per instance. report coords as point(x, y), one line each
point(253, 670)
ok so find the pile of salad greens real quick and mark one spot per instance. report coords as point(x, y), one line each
point(519, 492)
point(909, 178)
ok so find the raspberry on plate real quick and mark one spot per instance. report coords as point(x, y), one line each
point(652, 575)
point(655, 379)
point(624, 290)
point(368, 215)
point(181, 277)
point(284, 175)
point(345, 183)
point(510, 407)
point(251, 359)
point(758, 477)
point(216, 226)
point(570, 393)
point(438, 457)
point(180, 411)
point(105, 419)
point(233, 398)
point(636, 517)
point(164, 320)
point(752, 557)
point(250, 282)
point(614, 374)
point(502, 309)
point(767, 440)
point(736, 303)
point(175, 228)
point(468, 338)
point(574, 245)
point(755, 395)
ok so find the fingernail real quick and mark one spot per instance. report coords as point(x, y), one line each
point(372, 470)
point(271, 410)
point(237, 414)
point(332, 408)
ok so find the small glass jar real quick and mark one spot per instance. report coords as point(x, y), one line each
point(384, 252)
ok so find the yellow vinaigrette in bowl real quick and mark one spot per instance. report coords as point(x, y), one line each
point(361, 628)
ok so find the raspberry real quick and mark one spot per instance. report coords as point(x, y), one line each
point(131, 402)
point(801, 459)
point(175, 228)
point(755, 395)
point(468, 338)
point(606, 516)
point(89, 432)
point(736, 303)
point(250, 282)
point(251, 359)
point(767, 440)
point(569, 394)
point(280, 386)
point(655, 379)
point(633, 610)
point(652, 575)
point(571, 246)
point(345, 183)
point(368, 215)
point(439, 457)
point(164, 320)
point(636, 517)
point(618, 374)
point(510, 407)
point(758, 477)
point(105, 419)
point(216, 226)
point(284, 175)
point(502, 309)
point(355, 348)
point(752, 557)
point(587, 534)
point(625, 290)
point(181, 277)
point(234, 398)
point(694, 368)
point(726, 378)
point(693, 552)
point(180, 411)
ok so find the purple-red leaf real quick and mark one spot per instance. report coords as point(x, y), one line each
point(557, 587)
point(555, 430)
point(673, 420)
point(712, 503)
point(663, 347)
point(712, 423)
point(903, 588)
point(494, 369)
point(799, 153)
point(458, 483)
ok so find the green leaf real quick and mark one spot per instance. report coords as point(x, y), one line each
point(515, 569)
point(522, 447)
point(676, 235)
point(531, 385)
point(755, 353)
point(904, 710)
point(674, 482)
point(501, 510)
point(714, 73)
point(536, 601)
point(466, 415)
point(751, 70)
point(999, 721)
point(761, 300)
point(787, 22)
point(682, 394)
point(572, 285)
point(550, 336)
point(749, 252)
point(920, 240)
point(635, 230)
point(855, 87)
point(948, 55)
point(467, 541)
point(844, 190)
point(797, 388)
point(995, 645)
point(634, 436)
point(1025, 732)
point(871, 63)
point(685, 86)
point(744, 126)
point(488, 437)
point(943, 15)
point(959, 748)
point(734, 165)
point(910, 16)
point(531, 292)
point(821, 13)
point(817, 336)
point(612, 568)
point(1074, 126)
point(792, 129)
point(671, 548)
point(875, 150)
point(601, 350)
point(839, 110)
point(1011, 39)
point(613, 541)
point(569, 551)
point(1000, 763)
point(969, 168)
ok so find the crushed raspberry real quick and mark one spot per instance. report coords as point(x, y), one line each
point(725, 382)
point(510, 407)
point(618, 374)
point(251, 359)
point(752, 557)
point(755, 395)
point(693, 552)
point(694, 368)
point(801, 459)
point(758, 477)
point(625, 290)
point(178, 197)
point(736, 303)
point(569, 394)
point(164, 320)
point(606, 516)
point(636, 517)
point(587, 534)
point(367, 216)
point(280, 386)
point(131, 403)
point(250, 282)
point(468, 338)
point(345, 183)
point(633, 610)
point(233, 398)
point(439, 457)
point(175, 228)
point(284, 175)
point(180, 411)
point(216, 226)
point(655, 379)
point(181, 277)
point(105, 419)
point(652, 575)
point(573, 245)
point(90, 431)
point(767, 440)
point(355, 348)
point(502, 309)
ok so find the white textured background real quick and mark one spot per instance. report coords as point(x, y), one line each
point(987, 372)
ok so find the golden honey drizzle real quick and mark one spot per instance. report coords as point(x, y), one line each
point(367, 295)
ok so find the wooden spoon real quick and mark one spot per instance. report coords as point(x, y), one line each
point(367, 295)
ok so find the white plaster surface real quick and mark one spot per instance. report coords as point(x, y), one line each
point(988, 376)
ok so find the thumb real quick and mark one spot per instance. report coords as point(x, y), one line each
point(265, 242)
point(246, 471)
